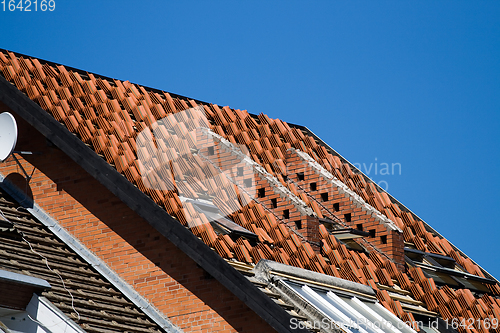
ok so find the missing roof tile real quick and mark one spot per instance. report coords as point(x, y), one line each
point(347, 217)
point(298, 224)
point(383, 239)
point(274, 202)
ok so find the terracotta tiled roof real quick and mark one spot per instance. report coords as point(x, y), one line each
point(306, 182)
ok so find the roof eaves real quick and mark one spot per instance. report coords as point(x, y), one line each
point(139, 202)
point(25, 280)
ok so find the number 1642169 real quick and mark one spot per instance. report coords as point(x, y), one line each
point(28, 5)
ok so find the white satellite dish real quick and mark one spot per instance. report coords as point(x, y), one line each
point(8, 135)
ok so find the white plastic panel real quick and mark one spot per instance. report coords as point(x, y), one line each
point(350, 313)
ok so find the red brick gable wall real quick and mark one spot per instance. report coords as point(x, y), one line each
point(330, 201)
point(159, 271)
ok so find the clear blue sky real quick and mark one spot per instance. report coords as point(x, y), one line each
point(409, 82)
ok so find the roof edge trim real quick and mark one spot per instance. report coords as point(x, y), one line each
point(100, 266)
point(23, 279)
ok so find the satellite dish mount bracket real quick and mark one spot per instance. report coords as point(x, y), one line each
point(28, 177)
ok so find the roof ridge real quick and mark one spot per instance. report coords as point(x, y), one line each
point(108, 78)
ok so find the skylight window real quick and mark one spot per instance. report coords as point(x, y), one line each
point(221, 224)
point(445, 271)
point(349, 313)
point(349, 233)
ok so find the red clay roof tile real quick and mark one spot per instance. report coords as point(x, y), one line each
point(109, 114)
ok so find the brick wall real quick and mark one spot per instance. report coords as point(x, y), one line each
point(332, 203)
point(310, 230)
point(159, 271)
